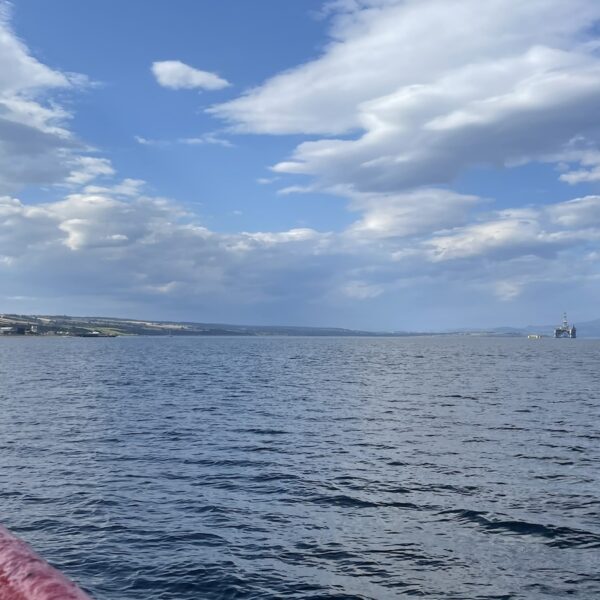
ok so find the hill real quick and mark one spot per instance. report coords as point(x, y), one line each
point(110, 326)
point(106, 326)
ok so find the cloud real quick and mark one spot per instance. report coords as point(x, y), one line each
point(405, 96)
point(19, 71)
point(116, 243)
point(206, 139)
point(211, 139)
point(175, 75)
point(509, 234)
point(588, 160)
point(578, 213)
point(502, 253)
point(128, 187)
point(410, 213)
point(146, 141)
point(503, 237)
point(105, 242)
point(411, 93)
point(36, 146)
point(88, 168)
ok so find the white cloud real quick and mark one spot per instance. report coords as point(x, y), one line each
point(293, 235)
point(414, 92)
point(296, 189)
point(176, 75)
point(207, 139)
point(410, 213)
point(418, 90)
point(588, 160)
point(19, 71)
point(128, 187)
point(578, 213)
point(129, 245)
point(33, 141)
point(114, 241)
point(88, 168)
point(542, 231)
point(210, 139)
point(582, 176)
point(504, 237)
point(36, 146)
point(145, 141)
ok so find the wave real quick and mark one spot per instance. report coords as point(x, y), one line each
point(558, 537)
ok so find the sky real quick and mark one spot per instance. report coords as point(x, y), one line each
point(373, 164)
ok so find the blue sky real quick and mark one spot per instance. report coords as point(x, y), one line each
point(383, 164)
point(241, 40)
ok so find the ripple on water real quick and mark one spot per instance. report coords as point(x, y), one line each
point(268, 468)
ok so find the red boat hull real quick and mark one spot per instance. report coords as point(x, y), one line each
point(26, 576)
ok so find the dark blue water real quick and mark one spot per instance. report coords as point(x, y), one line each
point(173, 468)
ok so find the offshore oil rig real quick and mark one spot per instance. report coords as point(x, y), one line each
point(565, 330)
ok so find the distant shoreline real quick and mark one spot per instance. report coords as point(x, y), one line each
point(14, 325)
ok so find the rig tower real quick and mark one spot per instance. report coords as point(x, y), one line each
point(565, 330)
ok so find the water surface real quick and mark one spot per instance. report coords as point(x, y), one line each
point(193, 468)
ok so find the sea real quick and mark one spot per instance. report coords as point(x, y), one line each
point(182, 468)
